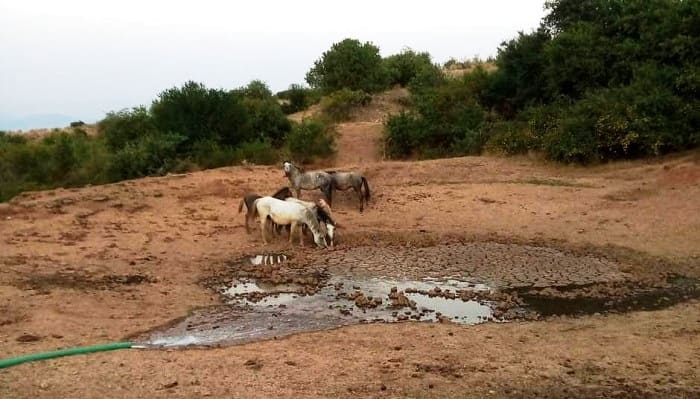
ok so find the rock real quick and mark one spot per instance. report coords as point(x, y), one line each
point(28, 338)
point(171, 384)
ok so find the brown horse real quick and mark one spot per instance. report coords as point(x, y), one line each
point(249, 199)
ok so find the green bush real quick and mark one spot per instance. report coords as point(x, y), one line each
point(197, 113)
point(403, 67)
point(311, 139)
point(402, 135)
point(349, 64)
point(61, 159)
point(149, 155)
point(299, 98)
point(338, 106)
point(119, 128)
point(267, 120)
point(257, 152)
point(511, 137)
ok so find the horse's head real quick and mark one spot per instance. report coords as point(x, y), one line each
point(287, 168)
point(320, 240)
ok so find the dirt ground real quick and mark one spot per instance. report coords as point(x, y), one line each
point(101, 264)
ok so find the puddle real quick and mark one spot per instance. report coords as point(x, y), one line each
point(257, 311)
point(614, 299)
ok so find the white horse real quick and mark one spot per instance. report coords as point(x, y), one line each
point(323, 214)
point(284, 212)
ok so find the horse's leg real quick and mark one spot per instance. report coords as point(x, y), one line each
point(263, 225)
point(301, 235)
point(298, 192)
point(292, 229)
point(328, 192)
point(358, 190)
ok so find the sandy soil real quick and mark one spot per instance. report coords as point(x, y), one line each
point(100, 264)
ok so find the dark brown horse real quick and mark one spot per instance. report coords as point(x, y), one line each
point(250, 198)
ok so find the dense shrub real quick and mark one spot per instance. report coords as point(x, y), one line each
point(349, 64)
point(60, 159)
point(311, 139)
point(149, 155)
point(510, 138)
point(119, 128)
point(298, 98)
point(403, 135)
point(403, 67)
point(197, 113)
point(338, 106)
point(602, 80)
point(259, 152)
point(446, 120)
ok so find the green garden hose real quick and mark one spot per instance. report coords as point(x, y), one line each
point(14, 361)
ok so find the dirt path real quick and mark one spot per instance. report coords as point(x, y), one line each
point(358, 144)
point(99, 264)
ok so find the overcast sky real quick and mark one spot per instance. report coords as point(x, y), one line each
point(83, 58)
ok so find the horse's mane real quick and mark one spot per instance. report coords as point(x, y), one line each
point(280, 191)
point(312, 221)
point(324, 215)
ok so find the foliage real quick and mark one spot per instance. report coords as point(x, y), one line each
point(60, 159)
point(119, 128)
point(351, 65)
point(267, 120)
point(197, 113)
point(446, 119)
point(603, 80)
point(403, 67)
point(298, 98)
point(311, 139)
point(339, 105)
point(149, 155)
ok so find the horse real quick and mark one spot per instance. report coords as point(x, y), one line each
point(249, 198)
point(344, 180)
point(285, 212)
point(302, 180)
point(323, 214)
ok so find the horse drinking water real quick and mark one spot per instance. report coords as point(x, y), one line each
point(285, 212)
point(323, 214)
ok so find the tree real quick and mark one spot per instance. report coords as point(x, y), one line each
point(349, 64)
point(404, 66)
point(198, 113)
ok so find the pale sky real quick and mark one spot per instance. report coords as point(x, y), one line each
point(82, 58)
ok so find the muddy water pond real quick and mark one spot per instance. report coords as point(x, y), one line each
point(262, 307)
point(256, 310)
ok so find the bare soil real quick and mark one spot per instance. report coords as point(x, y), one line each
point(106, 263)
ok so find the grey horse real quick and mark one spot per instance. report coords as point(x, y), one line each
point(301, 180)
point(345, 180)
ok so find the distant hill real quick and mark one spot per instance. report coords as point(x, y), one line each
point(35, 121)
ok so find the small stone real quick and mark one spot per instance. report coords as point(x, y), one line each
point(28, 338)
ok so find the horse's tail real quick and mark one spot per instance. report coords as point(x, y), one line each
point(240, 206)
point(255, 208)
point(364, 183)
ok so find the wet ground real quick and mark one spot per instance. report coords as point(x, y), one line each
point(269, 296)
